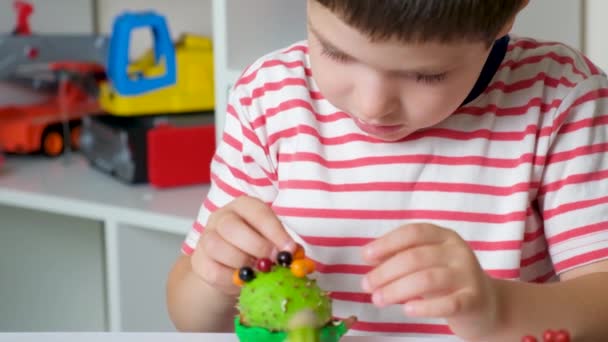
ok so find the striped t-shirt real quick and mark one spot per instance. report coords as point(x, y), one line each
point(520, 172)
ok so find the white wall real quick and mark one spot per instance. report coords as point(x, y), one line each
point(557, 20)
point(596, 27)
point(192, 16)
point(52, 16)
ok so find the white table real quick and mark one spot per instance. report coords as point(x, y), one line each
point(171, 337)
point(139, 224)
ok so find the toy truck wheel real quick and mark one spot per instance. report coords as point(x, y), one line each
point(52, 142)
point(75, 131)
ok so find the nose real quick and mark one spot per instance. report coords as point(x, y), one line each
point(375, 99)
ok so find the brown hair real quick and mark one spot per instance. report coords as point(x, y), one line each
point(426, 20)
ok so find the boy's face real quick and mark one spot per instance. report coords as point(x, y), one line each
point(390, 88)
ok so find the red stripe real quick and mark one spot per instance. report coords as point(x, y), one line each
point(401, 214)
point(272, 63)
point(232, 141)
point(578, 232)
point(540, 256)
point(528, 83)
point(577, 152)
point(573, 179)
point(531, 236)
point(359, 297)
point(417, 328)
point(364, 269)
point(410, 159)
point(540, 58)
point(510, 111)
point(272, 86)
point(430, 133)
point(187, 249)
point(594, 70)
point(581, 259)
point(544, 278)
point(210, 205)
point(468, 188)
point(588, 97)
point(530, 44)
point(568, 207)
point(297, 103)
point(237, 173)
point(362, 241)
point(301, 48)
point(198, 227)
point(226, 188)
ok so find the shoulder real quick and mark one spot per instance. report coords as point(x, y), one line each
point(554, 59)
point(277, 66)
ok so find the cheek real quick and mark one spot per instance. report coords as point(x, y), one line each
point(427, 105)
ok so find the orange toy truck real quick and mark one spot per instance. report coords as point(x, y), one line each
point(46, 126)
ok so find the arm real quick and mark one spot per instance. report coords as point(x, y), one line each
point(194, 305)
point(579, 304)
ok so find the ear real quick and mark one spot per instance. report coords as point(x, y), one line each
point(509, 24)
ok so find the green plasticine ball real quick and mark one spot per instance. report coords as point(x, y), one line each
point(271, 299)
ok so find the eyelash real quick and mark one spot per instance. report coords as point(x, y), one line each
point(419, 77)
point(334, 55)
point(430, 78)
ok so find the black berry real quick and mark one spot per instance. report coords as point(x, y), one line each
point(284, 259)
point(246, 274)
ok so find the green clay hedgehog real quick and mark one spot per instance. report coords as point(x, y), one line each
point(277, 295)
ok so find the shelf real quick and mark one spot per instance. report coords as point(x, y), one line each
point(76, 189)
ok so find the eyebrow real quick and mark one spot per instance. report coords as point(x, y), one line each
point(328, 45)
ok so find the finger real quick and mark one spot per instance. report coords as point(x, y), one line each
point(402, 264)
point(350, 321)
point(403, 238)
point(261, 217)
point(213, 273)
point(218, 249)
point(236, 231)
point(439, 307)
point(419, 284)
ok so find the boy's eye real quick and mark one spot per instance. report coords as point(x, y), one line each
point(430, 78)
point(335, 55)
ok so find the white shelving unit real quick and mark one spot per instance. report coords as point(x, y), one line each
point(81, 251)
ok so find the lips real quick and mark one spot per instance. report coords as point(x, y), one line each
point(378, 130)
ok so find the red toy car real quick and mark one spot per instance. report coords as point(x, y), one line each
point(45, 125)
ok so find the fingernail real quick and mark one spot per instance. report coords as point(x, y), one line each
point(368, 253)
point(408, 309)
point(290, 246)
point(365, 285)
point(377, 299)
point(274, 253)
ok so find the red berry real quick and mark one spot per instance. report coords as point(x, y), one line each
point(529, 338)
point(549, 336)
point(264, 265)
point(562, 336)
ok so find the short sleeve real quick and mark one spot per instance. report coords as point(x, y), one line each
point(573, 197)
point(240, 166)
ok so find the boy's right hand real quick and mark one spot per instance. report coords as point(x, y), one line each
point(236, 235)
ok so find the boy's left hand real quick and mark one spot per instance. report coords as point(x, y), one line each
point(434, 273)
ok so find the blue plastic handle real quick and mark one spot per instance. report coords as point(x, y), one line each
point(118, 55)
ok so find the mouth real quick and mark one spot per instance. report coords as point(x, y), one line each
point(378, 130)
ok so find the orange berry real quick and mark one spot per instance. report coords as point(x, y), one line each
point(310, 265)
point(299, 253)
point(298, 268)
point(236, 279)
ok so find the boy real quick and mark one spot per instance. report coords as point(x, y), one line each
point(445, 177)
